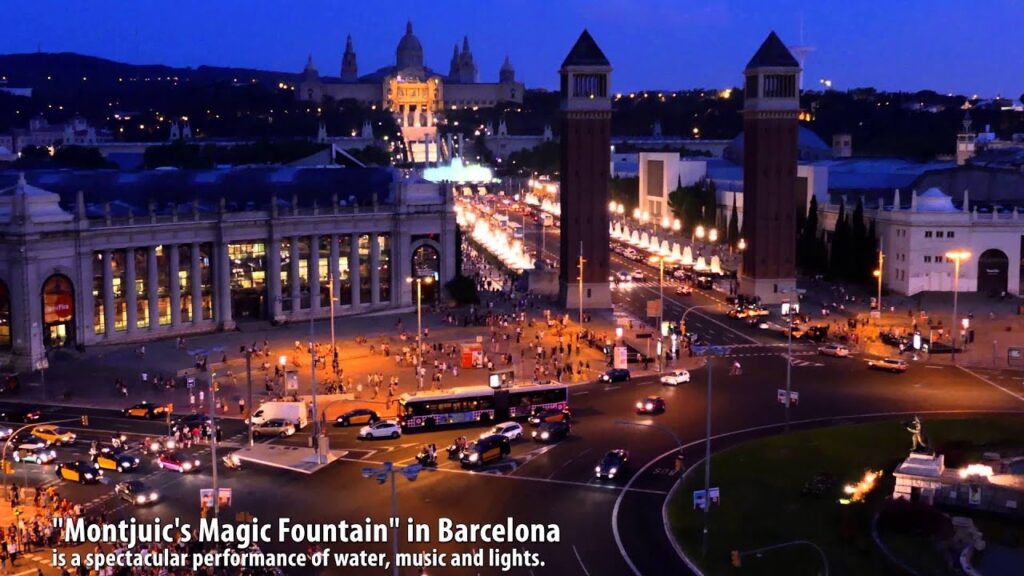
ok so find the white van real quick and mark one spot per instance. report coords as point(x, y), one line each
point(295, 412)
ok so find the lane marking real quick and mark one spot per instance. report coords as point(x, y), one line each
point(580, 560)
point(983, 379)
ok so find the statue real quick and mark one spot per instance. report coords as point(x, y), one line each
point(917, 438)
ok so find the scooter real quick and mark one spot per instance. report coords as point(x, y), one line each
point(425, 458)
point(119, 441)
point(455, 449)
point(232, 461)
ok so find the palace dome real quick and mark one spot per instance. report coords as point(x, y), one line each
point(410, 51)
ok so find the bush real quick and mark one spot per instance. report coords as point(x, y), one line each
point(914, 518)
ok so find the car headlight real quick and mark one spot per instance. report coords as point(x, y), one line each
point(170, 444)
point(197, 463)
point(597, 469)
point(649, 406)
point(187, 466)
point(88, 476)
point(639, 405)
point(136, 461)
point(140, 499)
point(53, 454)
point(613, 471)
point(534, 434)
point(152, 496)
point(545, 436)
point(474, 457)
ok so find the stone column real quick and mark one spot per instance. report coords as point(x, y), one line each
point(374, 269)
point(108, 293)
point(153, 288)
point(129, 284)
point(173, 264)
point(274, 278)
point(293, 274)
point(196, 284)
point(222, 271)
point(353, 268)
point(314, 273)
point(401, 261)
point(332, 269)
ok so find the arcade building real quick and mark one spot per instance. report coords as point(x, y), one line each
point(100, 257)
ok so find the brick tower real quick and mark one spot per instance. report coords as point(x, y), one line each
point(585, 155)
point(770, 199)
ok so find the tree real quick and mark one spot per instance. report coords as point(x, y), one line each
point(732, 235)
point(838, 262)
point(858, 251)
point(806, 248)
point(695, 204)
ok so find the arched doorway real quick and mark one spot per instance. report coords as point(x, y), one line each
point(993, 269)
point(58, 312)
point(426, 261)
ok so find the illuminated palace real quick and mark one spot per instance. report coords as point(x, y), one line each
point(111, 257)
point(416, 94)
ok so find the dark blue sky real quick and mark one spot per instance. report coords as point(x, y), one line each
point(945, 45)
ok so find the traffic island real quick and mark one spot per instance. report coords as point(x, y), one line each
point(294, 458)
point(789, 504)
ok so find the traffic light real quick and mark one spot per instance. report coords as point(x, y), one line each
point(85, 419)
point(8, 467)
point(737, 562)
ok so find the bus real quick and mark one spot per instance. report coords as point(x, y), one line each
point(482, 404)
point(517, 229)
point(548, 220)
point(501, 219)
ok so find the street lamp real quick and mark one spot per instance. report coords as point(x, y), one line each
point(420, 281)
point(699, 231)
point(741, 245)
point(636, 214)
point(709, 352)
point(612, 206)
point(666, 222)
point(676, 225)
point(618, 332)
point(713, 235)
point(789, 348)
point(621, 209)
point(957, 256)
point(382, 475)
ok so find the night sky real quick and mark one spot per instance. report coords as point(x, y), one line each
point(944, 45)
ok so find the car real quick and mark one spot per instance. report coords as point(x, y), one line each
point(676, 378)
point(684, 290)
point(21, 414)
point(551, 431)
point(136, 492)
point(615, 375)
point(178, 462)
point(5, 432)
point(760, 323)
point(624, 277)
point(34, 453)
point(78, 471)
point(612, 465)
point(638, 276)
point(115, 459)
point(541, 416)
point(147, 410)
point(485, 450)
point(273, 427)
point(693, 339)
point(54, 435)
point(891, 364)
point(680, 274)
point(382, 429)
point(650, 405)
point(357, 416)
point(510, 430)
point(705, 283)
point(837, 350)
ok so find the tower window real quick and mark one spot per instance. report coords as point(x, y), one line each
point(779, 86)
point(589, 85)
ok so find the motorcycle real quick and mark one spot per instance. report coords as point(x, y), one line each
point(455, 449)
point(232, 461)
point(426, 458)
point(119, 441)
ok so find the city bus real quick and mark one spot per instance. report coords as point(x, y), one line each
point(517, 229)
point(482, 404)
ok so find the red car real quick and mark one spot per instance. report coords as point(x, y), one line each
point(650, 405)
point(177, 462)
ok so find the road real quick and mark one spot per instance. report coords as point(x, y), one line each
point(604, 528)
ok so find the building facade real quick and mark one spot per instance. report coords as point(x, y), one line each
point(585, 163)
point(86, 266)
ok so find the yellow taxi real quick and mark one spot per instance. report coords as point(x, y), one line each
point(54, 435)
point(78, 471)
point(147, 410)
point(116, 459)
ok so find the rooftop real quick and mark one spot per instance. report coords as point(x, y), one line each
point(585, 52)
point(773, 54)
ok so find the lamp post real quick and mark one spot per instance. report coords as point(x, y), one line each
point(213, 443)
point(420, 281)
point(957, 256)
point(709, 352)
point(878, 274)
point(699, 232)
point(312, 357)
point(789, 349)
point(248, 381)
point(382, 475)
point(661, 304)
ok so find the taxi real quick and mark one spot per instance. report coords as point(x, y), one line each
point(486, 450)
point(54, 435)
point(147, 410)
point(357, 416)
point(553, 415)
point(116, 459)
point(78, 471)
point(650, 405)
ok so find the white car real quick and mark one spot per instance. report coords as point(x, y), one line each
point(676, 378)
point(510, 430)
point(837, 350)
point(380, 429)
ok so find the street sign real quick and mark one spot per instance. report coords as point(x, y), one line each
point(794, 397)
point(1015, 356)
point(291, 380)
point(788, 307)
point(699, 497)
point(716, 495)
point(654, 308)
point(206, 497)
point(621, 358)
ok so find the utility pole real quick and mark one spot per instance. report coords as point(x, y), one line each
point(213, 443)
point(881, 271)
point(316, 415)
point(248, 381)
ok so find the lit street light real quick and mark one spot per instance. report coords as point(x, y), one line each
point(789, 347)
point(957, 256)
point(676, 225)
point(661, 303)
point(420, 281)
point(741, 245)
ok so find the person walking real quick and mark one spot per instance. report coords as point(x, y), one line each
point(241, 406)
